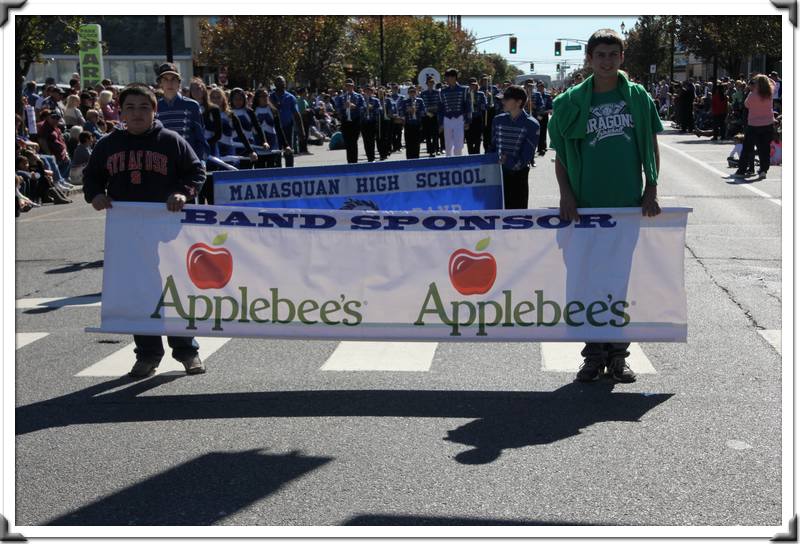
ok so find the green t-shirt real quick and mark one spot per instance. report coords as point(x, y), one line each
point(611, 174)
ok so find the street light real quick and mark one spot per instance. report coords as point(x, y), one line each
point(622, 27)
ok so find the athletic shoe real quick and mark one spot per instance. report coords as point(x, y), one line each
point(739, 174)
point(194, 365)
point(619, 370)
point(590, 371)
point(762, 175)
point(143, 368)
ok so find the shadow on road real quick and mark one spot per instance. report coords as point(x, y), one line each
point(201, 491)
point(76, 267)
point(503, 419)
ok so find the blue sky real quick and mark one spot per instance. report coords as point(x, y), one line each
point(536, 36)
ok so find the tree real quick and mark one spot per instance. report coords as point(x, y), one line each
point(323, 49)
point(401, 47)
point(728, 40)
point(647, 43)
point(31, 34)
point(250, 48)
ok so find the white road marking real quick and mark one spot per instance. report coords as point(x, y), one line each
point(566, 357)
point(738, 445)
point(84, 300)
point(25, 338)
point(382, 356)
point(121, 361)
point(774, 338)
point(720, 173)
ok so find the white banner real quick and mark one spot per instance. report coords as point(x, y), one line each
point(515, 275)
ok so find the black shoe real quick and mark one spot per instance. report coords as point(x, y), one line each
point(619, 370)
point(194, 365)
point(143, 368)
point(590, 371)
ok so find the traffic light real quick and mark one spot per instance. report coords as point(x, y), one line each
point(558, 49)
point(532, 69)
point(512, 45)
point(558, 67)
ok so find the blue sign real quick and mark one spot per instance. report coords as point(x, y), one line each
point(471, 182)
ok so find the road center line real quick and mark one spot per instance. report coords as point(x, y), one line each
point(83, 300)
point(720, 173)
point(382, 356)
point(25, 338)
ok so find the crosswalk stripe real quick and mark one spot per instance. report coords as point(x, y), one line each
point(566, 357)
point(382, 356)
point(121, 361)
point(774, 338)
point(25, 338)
point(84, 300)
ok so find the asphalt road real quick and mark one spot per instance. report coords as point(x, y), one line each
point(485, 435)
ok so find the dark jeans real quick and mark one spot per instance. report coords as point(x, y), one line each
point(350, 131)
point(151, 347)
point(385, 132)
point(515, 189)
point(543, 132)
point(413, 140)
point(474, 136)
point(285, 138)
point(397, 136)
point(718, 122)
point(759, 137)
point(604, 352)
point(369, 131)
point(430, 130)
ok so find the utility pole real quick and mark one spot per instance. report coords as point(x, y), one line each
point(168, 36)
point(383, 80)
point(672, 51)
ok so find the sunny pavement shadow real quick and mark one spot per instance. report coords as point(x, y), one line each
point(201, 491)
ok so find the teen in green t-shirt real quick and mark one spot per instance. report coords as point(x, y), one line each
point(604, 133)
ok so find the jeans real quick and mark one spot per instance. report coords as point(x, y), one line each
point(151, 347)
point(286, 138)
point(603, 352)
point(52, 164)
point(759, 137)
point(542, 147)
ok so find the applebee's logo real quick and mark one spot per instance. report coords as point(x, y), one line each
point(210, 267)
point(473, 273)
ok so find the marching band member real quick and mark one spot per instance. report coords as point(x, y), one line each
point(515, 136)
point(412, 110)
point(386, 126)
point(477, 101)
point(265, 115)
point(430, 123)
point(370, 125)
point(397, 127)
point(494, 106)
point(454, 114)
point(350, 105)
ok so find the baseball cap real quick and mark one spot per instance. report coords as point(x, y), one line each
point(167, 68)
point(349, 81)
point(55, 114)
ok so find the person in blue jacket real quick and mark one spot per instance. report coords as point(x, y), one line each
point(412, 111)
point(178, 113)
point(477, 101)
point(386, 126)
point(494, 106)
point(430, 124)
point(543, 115)
point(454, 114)
point(515, 135)
point(289, 117)
point(370, 123)
point(349, 108)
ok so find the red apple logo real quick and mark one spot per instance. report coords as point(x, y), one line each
point(473, 273)
point(209, 267)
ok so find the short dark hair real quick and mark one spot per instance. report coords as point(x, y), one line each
point(137, 89)
point(605, 36)
point(85, 136)
point(517, 93)
point(473, 80)
point(451, 72)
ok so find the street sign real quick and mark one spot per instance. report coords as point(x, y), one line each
point(429, 71)
point(652, 68)
point(90, 55)
point(576, 47)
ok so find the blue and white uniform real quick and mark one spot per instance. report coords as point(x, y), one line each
point(454, 112)
point(183, 115)
point(407, 112)
point(266, 119)
point(515, 140)
point(347, 114)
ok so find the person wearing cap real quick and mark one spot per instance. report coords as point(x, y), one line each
point(51, 133)
point(373, 111)
point(289, 117)
point(454, 114)
point(494, 106)
point(349, 107)
point(543, 114)
point(385, 128)
point(53, 103)
point(412, 111)
point(430, 123)
point(179, 113)
point(477, 100)
point(145, 162)
point(515, 135)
